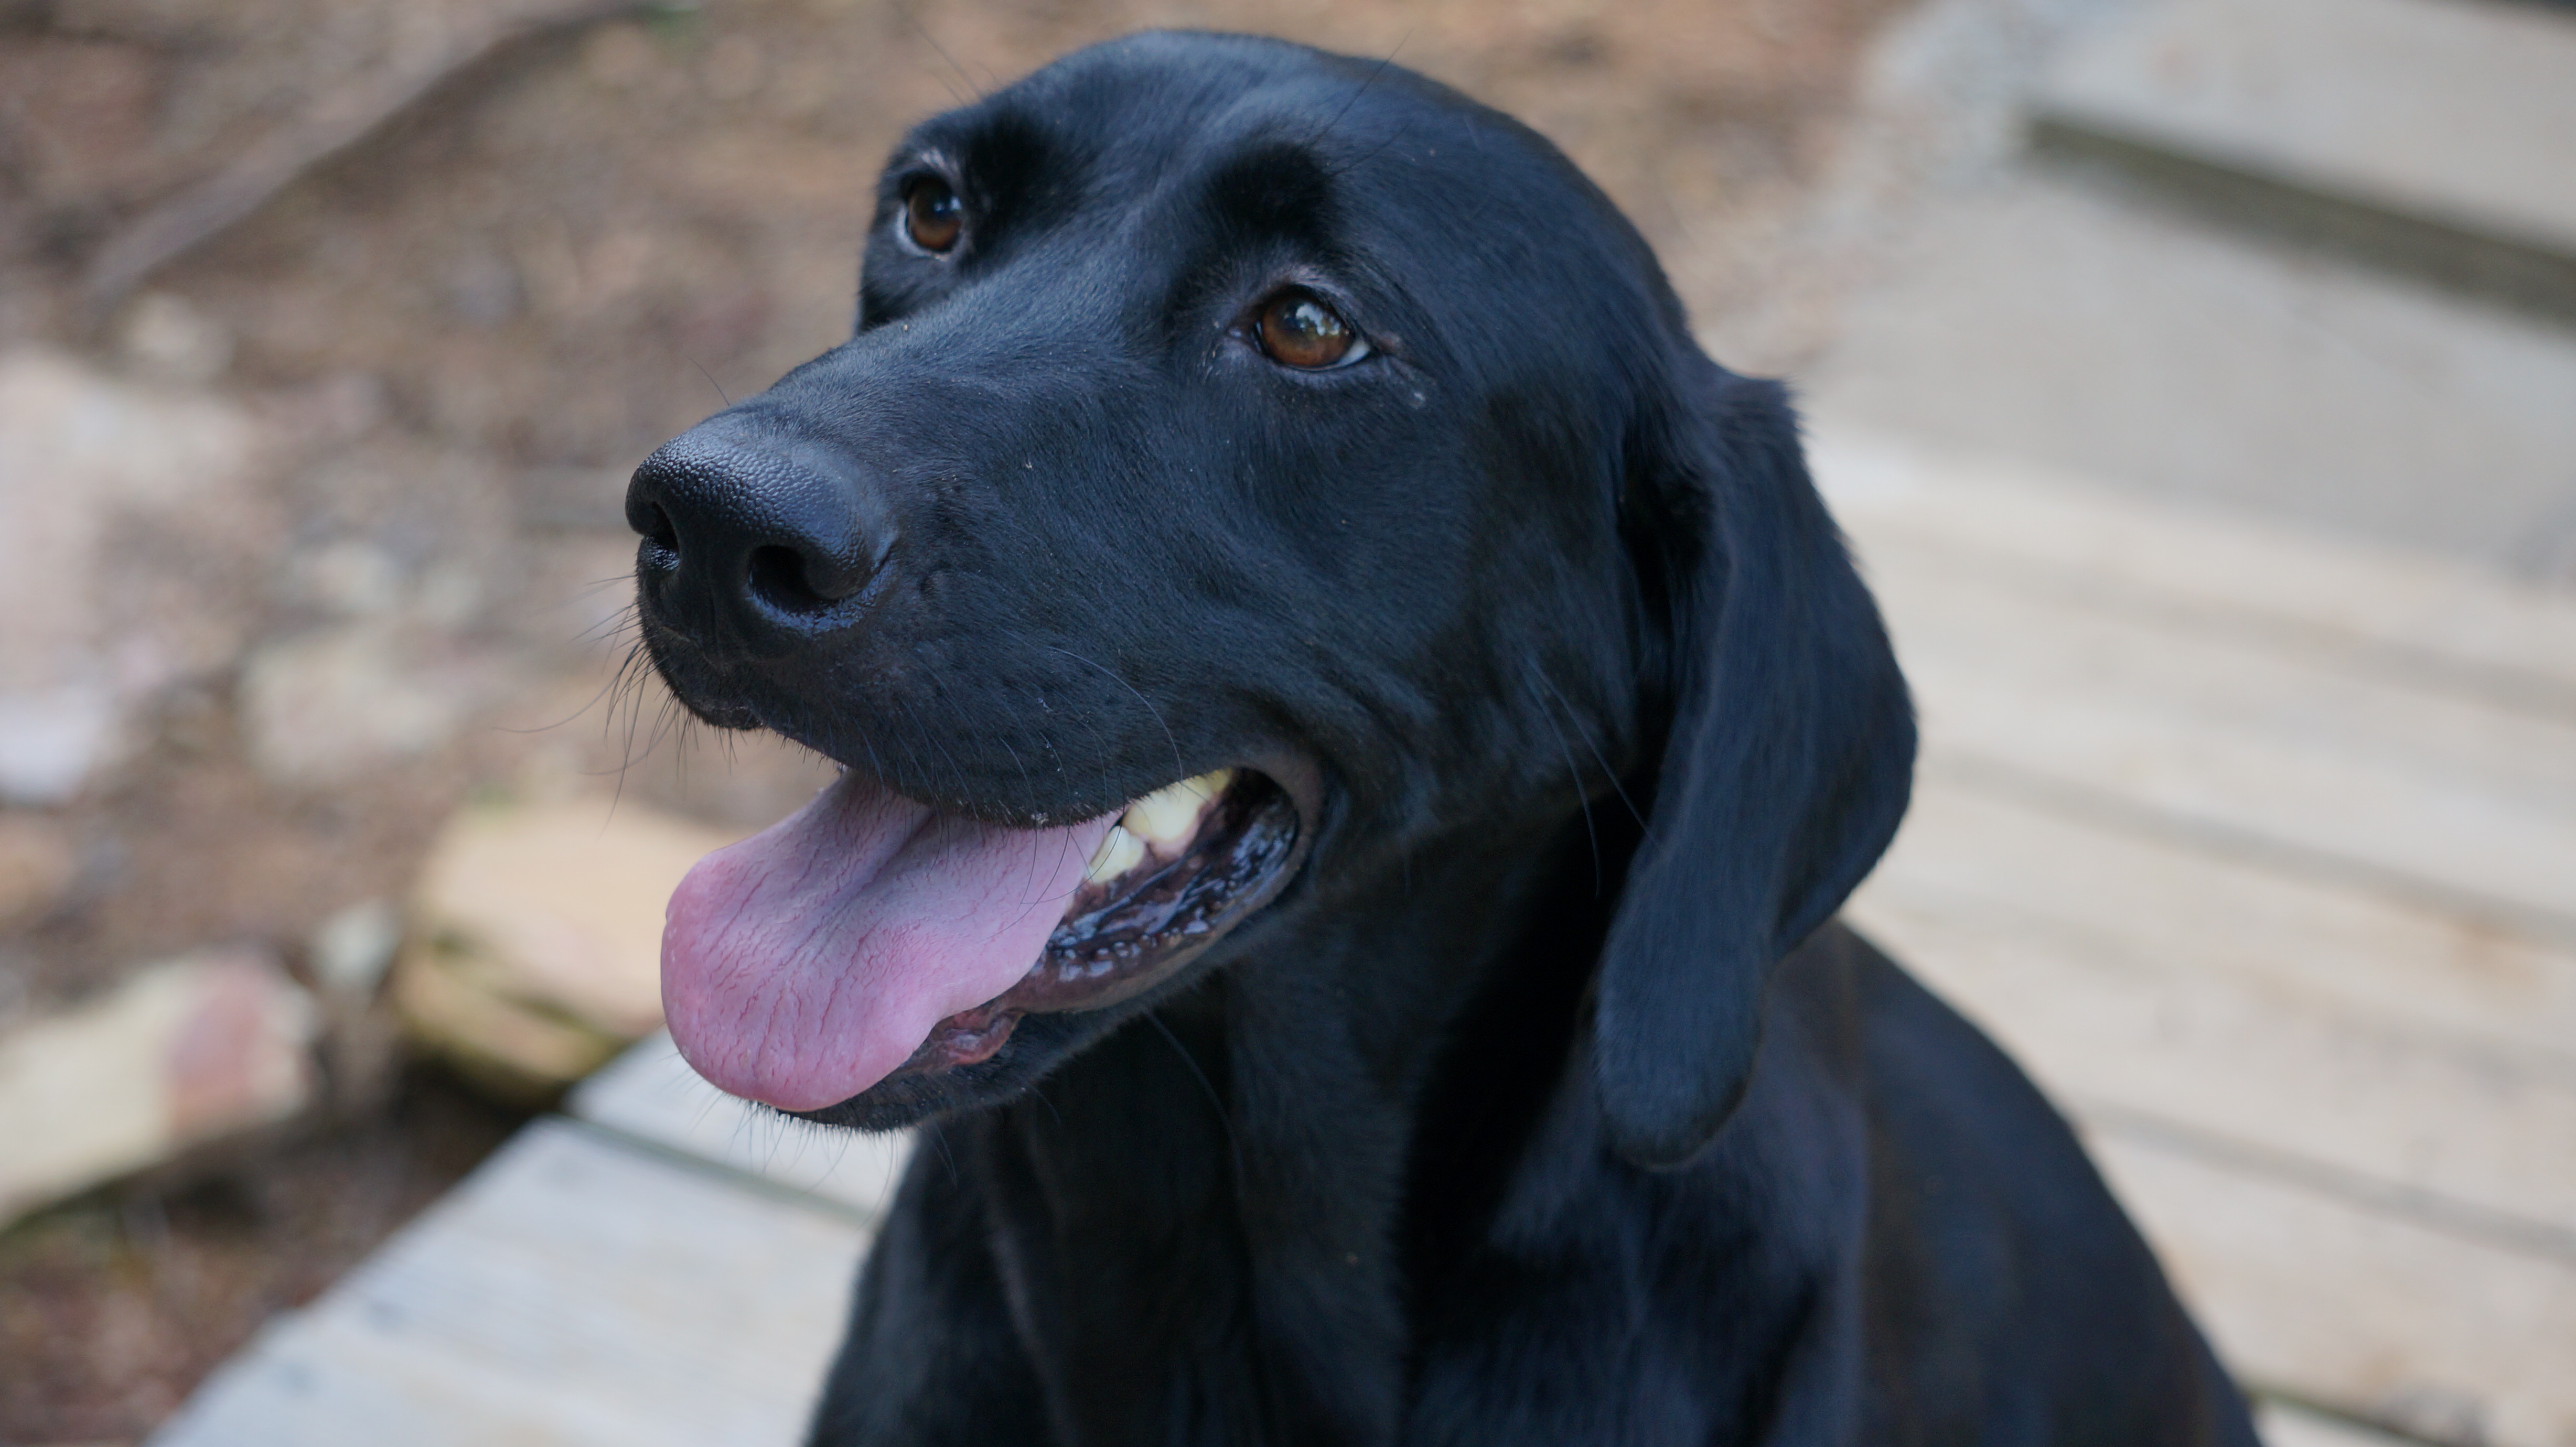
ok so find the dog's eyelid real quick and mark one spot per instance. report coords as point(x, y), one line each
point(904, 175)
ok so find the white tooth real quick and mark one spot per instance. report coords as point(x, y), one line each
point(1118, 852)
point(1169, 816)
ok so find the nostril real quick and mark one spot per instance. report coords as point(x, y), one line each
point(780, 579)
point(661, 550)
point(658, 530)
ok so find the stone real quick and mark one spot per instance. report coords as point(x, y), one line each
point(37, 866)
point(183, 1053)
point(346, 578)
point(535, 947)
point(350, 951)
point(52, 738)
point(334, 704)
point(165, 338)
point(347, 957)
point(80, 452)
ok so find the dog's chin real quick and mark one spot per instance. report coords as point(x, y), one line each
point(1036, 1048)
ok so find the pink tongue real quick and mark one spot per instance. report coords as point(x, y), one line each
point(802, 965)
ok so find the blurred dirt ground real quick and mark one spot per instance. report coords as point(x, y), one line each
point(111, 1310)
point(436, 351)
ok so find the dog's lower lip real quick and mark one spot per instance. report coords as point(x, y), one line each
point(1116, 945)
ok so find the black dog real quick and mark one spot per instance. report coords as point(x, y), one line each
point(1451, 1044)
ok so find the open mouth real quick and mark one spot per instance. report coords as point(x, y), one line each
point(869, 936)
point(1178, 868)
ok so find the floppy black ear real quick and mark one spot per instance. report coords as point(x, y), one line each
point(1787, 764)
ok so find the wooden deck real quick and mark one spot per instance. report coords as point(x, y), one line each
point(2259, 850)
point(659, 1268)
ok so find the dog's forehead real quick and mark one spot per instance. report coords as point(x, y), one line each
point(1160, 110)
point(1141, 177)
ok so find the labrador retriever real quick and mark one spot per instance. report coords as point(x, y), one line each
point(1355, 732)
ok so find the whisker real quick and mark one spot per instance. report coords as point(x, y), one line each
point(1362, 90)
point(711, 380)
point(965, 791)
point(1179, 770)
point(1379, 150)
point(1050, 1105)
point(913, 755)
point(913, 20)
point(1224, 1118)
point(1581, 798)
point(1576, 719)
point(939, 1137)
point(1100, 741)
point(622, 621)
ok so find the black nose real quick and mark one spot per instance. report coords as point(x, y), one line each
point(734, 526)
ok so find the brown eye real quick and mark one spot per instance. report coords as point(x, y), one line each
point(933, 215)
point(1297, 329)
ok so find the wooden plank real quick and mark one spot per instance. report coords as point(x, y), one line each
point(574, 1291)
point(1959, 615)
point(2370, 774)
point(2472, 1140)
point(2431, 621)
point(2458, 113)
point(2261, 852)
point(651, 1094)
point(2379, 1316)
point(2022, 867)
point(2283, 1424)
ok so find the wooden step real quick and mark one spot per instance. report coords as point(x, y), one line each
point(2382, 1317)
point(2228, 711)
point(2112, 1006)
point(2068, 325)
point(2015, 866)
point(576, 1291)
point(2428, 135)
point(2259, 851)
point(2431, 622)
point(2286, 1424)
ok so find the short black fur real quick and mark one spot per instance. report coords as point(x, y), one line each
point(1545, 1103)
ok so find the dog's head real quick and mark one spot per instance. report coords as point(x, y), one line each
point(1252, 467)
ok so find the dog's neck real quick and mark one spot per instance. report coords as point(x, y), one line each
point(1263, 1258)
